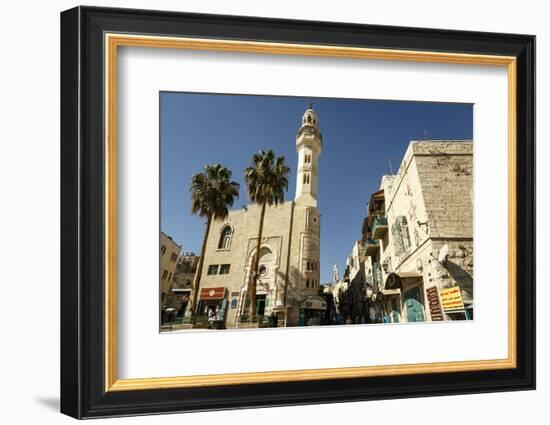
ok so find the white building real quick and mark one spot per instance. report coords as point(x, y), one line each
point(419, 236)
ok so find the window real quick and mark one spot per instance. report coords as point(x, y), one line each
point(164, 274)
point(262, 270)
point(225, 238)
point(308, 267)
point(170, 276)
point(224, 268)
point(307, 283)
point(163, 249)
point(174, 257)
point(213, 269)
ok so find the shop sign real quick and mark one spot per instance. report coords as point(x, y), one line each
point(212, 293)
point(451, 299)
point(435, 306)
point(235, 294)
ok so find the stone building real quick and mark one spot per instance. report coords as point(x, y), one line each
point(169, 255)
point(182, 283)
point(355, 264)
point(288, 282)
point(418, 236)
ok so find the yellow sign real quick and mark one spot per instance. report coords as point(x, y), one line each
point(451, 299)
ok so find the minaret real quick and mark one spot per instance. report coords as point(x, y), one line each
point(335, 277)
point(308, 146)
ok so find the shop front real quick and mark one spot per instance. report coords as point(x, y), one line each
point(212, 307)
point(454, 306)
point(411, 286)
point(312, 311)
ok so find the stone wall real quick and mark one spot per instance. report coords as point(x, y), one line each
point(445, 171)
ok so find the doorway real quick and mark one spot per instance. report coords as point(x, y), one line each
point(414, 306)
point(260, 305)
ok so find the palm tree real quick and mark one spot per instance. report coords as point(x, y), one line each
point(267, 180)
point(212, 193)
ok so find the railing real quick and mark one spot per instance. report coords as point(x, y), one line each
point(379, 227)
point(371, 246)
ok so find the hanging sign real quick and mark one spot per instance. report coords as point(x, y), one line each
point(435, 306)
point(451, 299)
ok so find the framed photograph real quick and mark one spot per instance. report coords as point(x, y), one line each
point(261, 212)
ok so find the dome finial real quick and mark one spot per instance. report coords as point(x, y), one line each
point(310, 105)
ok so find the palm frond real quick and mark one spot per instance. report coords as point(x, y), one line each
point(267, 178)
point(213, 192)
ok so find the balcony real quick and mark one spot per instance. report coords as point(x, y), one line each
point(371, 247)
point(379, 227)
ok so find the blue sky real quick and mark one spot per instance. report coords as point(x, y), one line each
point(360, 137)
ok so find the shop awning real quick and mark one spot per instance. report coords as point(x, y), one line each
point(181, 290)
point(212, 293)
point(396, 280)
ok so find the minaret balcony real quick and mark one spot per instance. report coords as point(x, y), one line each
point(379, 227)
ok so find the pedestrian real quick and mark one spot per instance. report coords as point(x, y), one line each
point(211, 317)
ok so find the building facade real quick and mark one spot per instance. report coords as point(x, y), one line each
point(170, 253)
point(182, 284)
point(418, 236)
point(289, 270)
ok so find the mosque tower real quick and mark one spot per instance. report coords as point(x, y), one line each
point(308, 146)
point(335, 277)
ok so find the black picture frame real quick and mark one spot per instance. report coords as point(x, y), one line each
point(83, 392)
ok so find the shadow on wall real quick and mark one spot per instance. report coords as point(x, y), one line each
point(461, 276)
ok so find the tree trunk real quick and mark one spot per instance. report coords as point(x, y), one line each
point(198, 274)
point(252, 291)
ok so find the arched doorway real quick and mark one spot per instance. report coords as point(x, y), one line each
point(267, 273)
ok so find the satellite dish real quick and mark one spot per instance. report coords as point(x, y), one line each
point(442, 257)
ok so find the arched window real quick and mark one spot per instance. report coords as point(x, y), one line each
point(225, 238)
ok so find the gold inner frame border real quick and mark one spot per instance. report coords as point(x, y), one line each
point(112, 41)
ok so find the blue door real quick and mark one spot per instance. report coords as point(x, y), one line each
point(413, 304)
